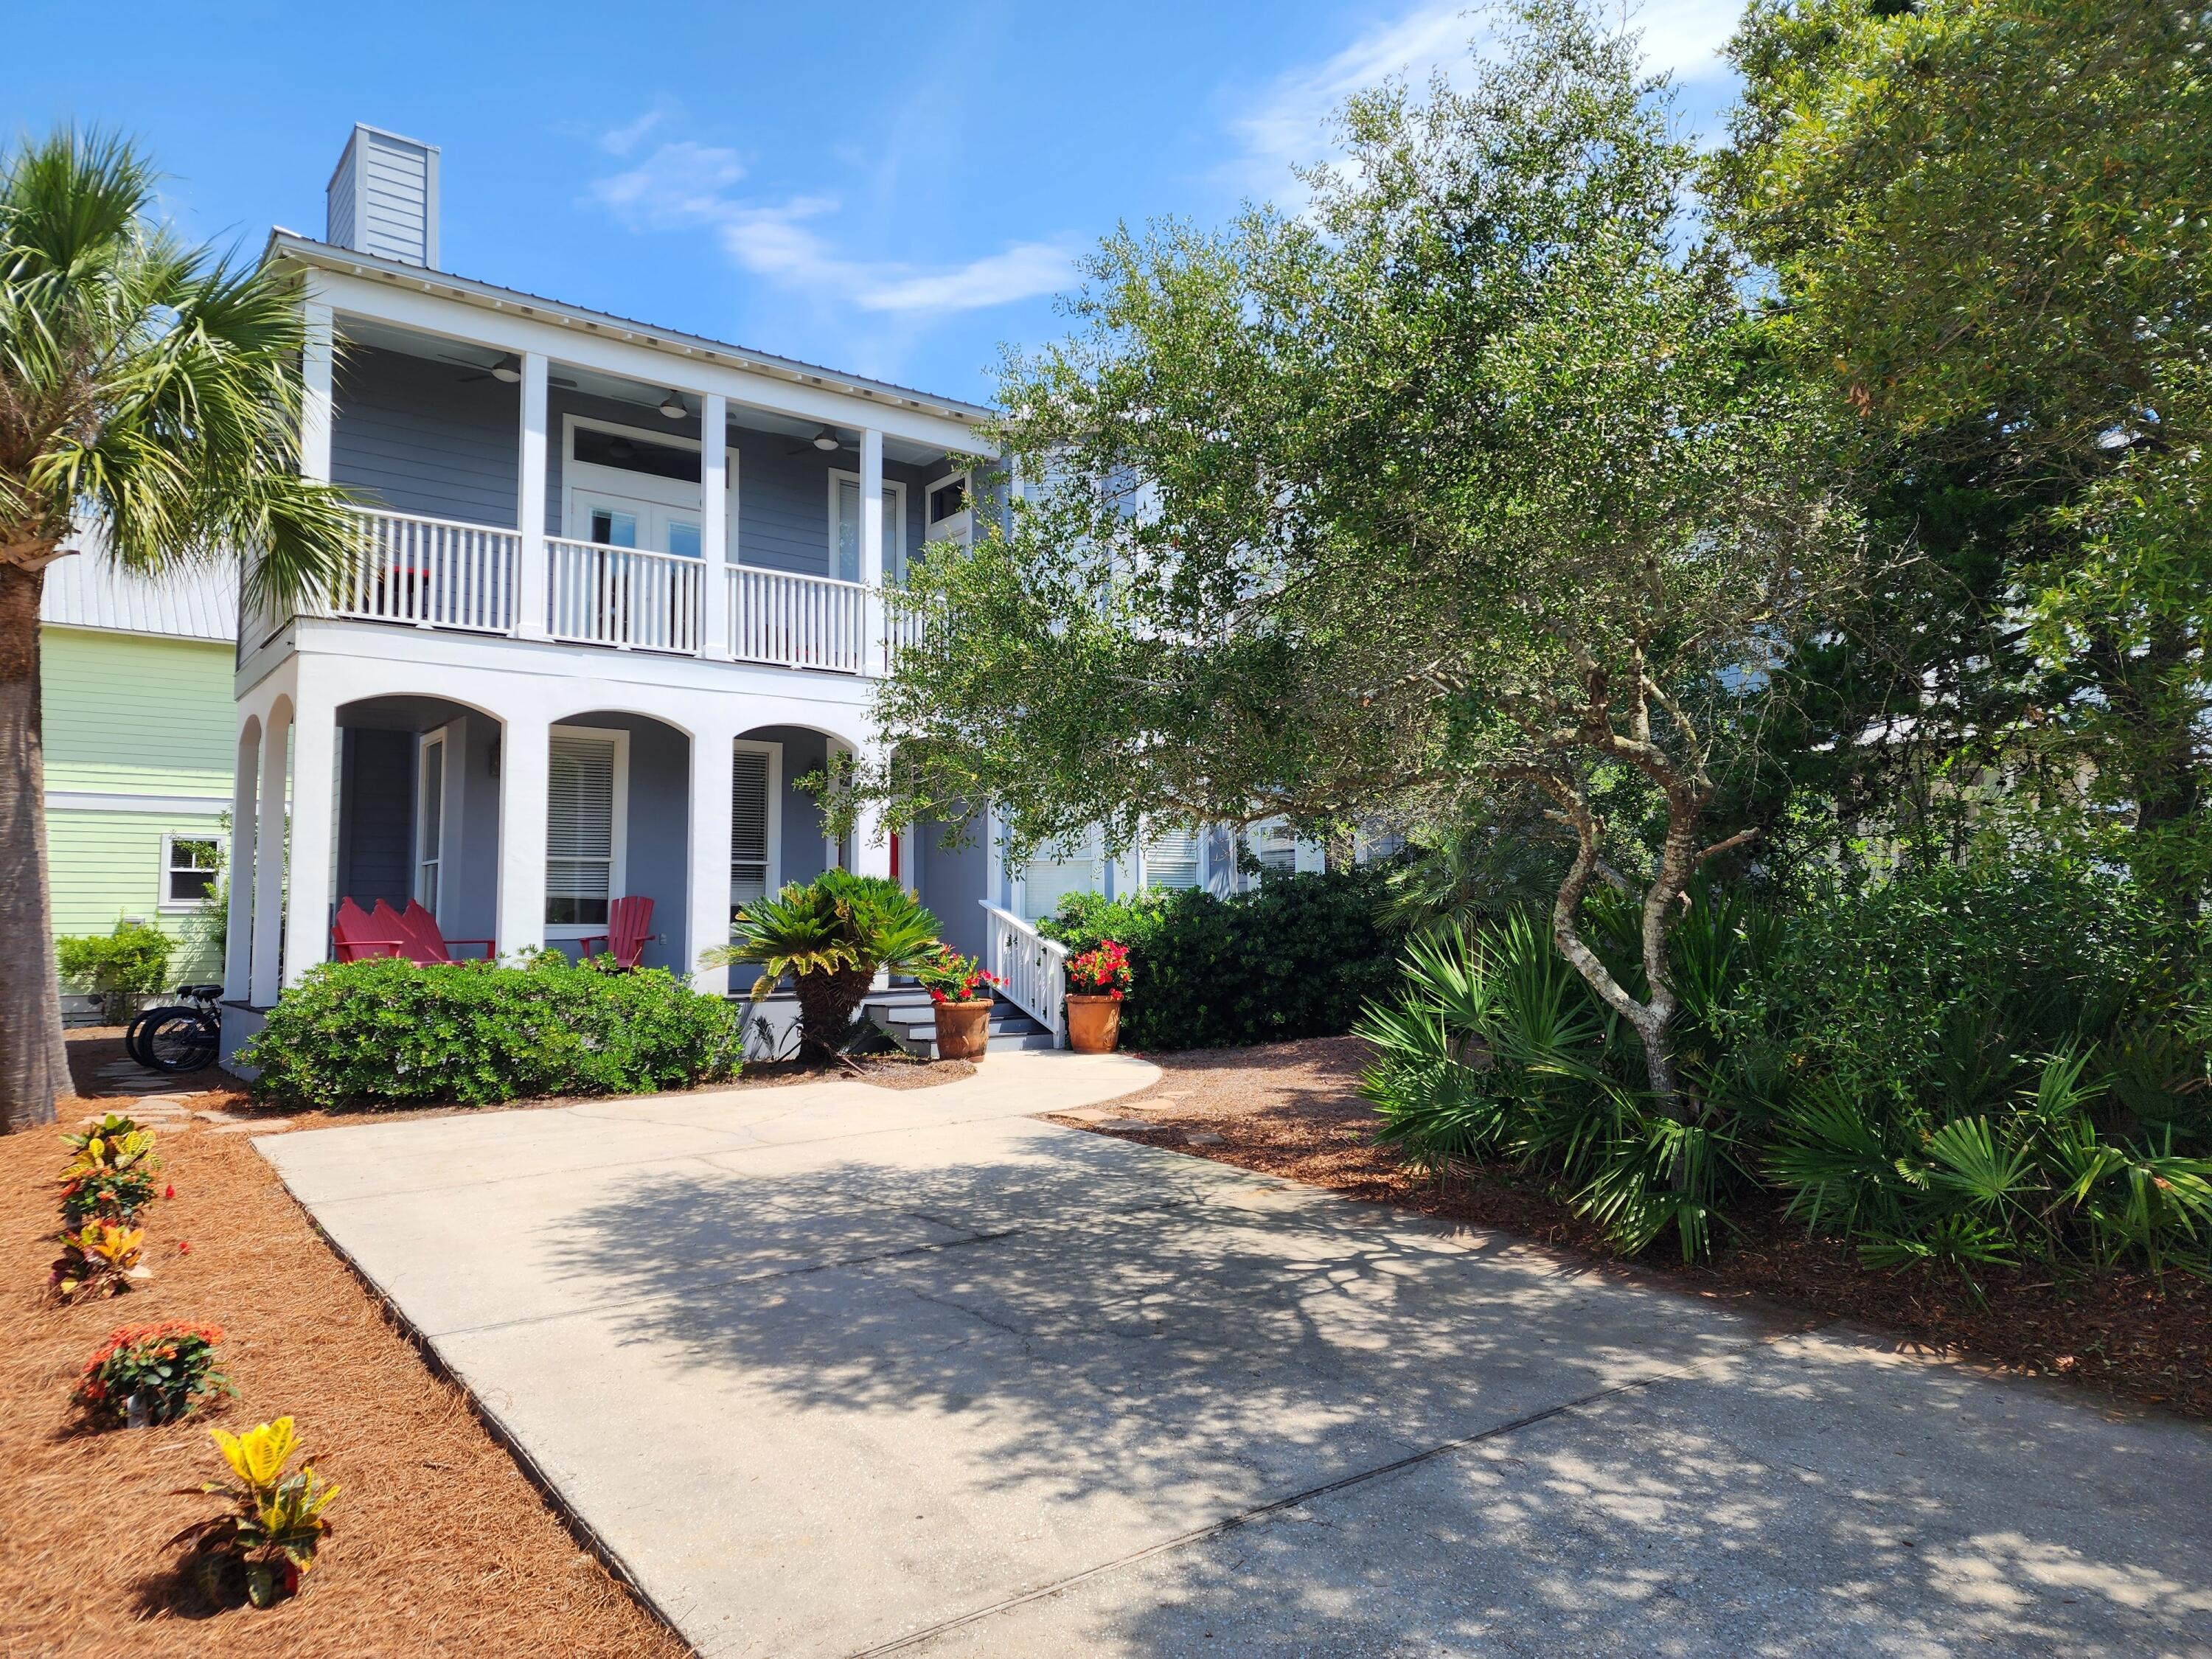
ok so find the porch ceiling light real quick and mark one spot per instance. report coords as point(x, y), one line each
point(825, 439)
point(673, 406)
point(507, 369)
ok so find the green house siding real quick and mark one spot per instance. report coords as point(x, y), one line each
point(126, 717)
point(104, 864)
point(131, 714)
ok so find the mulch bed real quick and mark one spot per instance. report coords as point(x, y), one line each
point(441, 1545)
point(1293, 1109)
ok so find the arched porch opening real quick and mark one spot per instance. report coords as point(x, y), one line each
point(416, 787)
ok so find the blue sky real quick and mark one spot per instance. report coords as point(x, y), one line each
point(891, 191)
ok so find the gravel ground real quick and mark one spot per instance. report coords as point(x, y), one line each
point(1293, 1109)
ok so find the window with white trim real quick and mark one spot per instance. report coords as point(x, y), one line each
point(845, 527)
point(583, 780)
point(430, 820)
point(190, 866)
point(753, 822)
point(1171, 858)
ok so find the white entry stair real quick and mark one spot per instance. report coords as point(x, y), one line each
point(911, 1020)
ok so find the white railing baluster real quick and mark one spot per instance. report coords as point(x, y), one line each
point(1034, 968)
point(432, 572)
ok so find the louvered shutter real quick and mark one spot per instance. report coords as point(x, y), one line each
point(748, 827)
point(1171, 858)
point(580, 829)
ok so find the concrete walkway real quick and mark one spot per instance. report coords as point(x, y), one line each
point(839, 1370)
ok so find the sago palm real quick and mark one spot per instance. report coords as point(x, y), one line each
point(831, 937)
point(149, 405)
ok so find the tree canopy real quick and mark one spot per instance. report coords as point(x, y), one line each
point(1479, 476)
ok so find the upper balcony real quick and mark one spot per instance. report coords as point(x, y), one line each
point(523, 478)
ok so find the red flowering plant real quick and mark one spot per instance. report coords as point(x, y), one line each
point(951, 977)
point(151, 1373)
point(1103, 972)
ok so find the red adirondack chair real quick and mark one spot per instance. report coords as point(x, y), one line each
point(354, 935)
point(628, 922)
point(427, 925)
point(419, 938)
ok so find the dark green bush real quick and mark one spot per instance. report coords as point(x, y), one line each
point(472, 1034)
point(1298, 956)
point(1975, 1065)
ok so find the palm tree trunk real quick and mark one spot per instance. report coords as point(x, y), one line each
point(33, 1063)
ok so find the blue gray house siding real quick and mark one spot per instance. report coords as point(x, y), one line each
point(418, 436)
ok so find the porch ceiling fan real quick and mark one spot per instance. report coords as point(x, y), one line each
point(508, 370)
point(828, 439)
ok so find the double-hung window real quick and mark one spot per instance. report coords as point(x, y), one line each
point(1171, 858)
point(190, 865)
point(845, 533)
point(586, 775)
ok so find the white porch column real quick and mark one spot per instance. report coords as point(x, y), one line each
point(714, 524)
point(871, 847)
point(872, 550)
point(530, 506)
point(315, 406)
point(307, 886)
point(267, 962)
point(709, 910)
point(237, 931)
point(523, 745)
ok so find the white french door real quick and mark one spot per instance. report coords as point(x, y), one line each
point(613, 521)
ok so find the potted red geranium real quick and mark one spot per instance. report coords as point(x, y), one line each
point(961, 992)
point(1097, 981)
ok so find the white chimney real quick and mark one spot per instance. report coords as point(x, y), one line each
point(384, 197)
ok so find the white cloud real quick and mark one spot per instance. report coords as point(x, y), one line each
point(683, 185)
point(1286, 125)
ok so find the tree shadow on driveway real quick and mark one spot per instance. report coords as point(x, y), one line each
point(1121, 1348)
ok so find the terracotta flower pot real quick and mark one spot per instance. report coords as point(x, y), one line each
point(962, 1030)
point(1094, 1025)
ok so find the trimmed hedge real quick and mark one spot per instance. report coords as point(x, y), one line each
point(472, 1034)
point(1297, 957)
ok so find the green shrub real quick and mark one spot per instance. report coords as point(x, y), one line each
point(1297, 957)
point(117, 968)
point(475, 1033)
point(1969, 1065)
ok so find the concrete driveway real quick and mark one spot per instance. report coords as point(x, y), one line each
point(839, 1370)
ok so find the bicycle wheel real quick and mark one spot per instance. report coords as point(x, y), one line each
point(180, 1040)
point(134, 1032)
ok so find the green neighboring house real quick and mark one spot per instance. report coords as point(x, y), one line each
point(140, 741)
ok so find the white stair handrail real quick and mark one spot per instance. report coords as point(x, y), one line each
point(1034, 968)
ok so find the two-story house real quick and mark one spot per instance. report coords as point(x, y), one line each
point(620, 588)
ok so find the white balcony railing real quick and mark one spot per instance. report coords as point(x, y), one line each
point(799, 621)
point(443, 573)
point(624, 597)
point(1033, 968)
point(434, 572)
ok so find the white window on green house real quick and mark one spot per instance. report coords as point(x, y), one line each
point(190, 866)
point(583, 827)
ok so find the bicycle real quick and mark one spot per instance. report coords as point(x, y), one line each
point(178, 1036)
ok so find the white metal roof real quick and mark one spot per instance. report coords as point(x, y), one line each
point(90, 590)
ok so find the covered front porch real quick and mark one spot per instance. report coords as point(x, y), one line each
point(516, 808)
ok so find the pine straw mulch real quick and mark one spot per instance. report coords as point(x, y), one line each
point(1293, 1109)
point(442, 1544)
